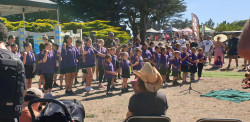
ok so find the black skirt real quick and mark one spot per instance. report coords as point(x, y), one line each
point(71, 69)
point(125, 73)
point(193, 69)
point(163, 71)
point(28, 71)
point(184, 68)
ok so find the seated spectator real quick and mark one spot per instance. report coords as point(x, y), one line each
point(148, 101)
point(31, 94)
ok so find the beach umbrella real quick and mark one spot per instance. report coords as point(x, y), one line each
point(151, 30)
point(222, 37)
point(161, 31)
point(172, 29)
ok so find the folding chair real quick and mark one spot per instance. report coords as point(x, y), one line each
point(218, 120)
point(148, 119)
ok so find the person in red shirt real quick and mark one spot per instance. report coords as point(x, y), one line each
point(31, 93)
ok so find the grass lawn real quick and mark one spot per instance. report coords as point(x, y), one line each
point(224, 74)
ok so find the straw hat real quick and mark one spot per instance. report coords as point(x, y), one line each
point(150, 76)
point(34, 92)
point(222, 37)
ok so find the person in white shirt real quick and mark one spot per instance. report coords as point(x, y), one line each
point(207, 47)
point(182, 41)
point(200, 43)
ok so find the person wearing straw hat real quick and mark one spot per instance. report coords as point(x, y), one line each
point(218, 44)
point(148, 101)
point(31, 94)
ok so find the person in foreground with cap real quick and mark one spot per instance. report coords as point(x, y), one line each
point(31, 94)
point(147, 101)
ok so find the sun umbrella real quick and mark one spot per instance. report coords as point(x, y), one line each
point(151, 30)
point(172, 29)
point(222, 37)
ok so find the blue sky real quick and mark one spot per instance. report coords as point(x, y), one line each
point(218, 10)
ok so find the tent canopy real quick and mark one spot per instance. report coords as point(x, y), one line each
point(151, 30)
point(187, 29)
point(10, 7)
point(207, 30)
point(172, 29)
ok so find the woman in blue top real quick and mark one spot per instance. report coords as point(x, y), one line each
point(90, 62)
point(29, 62)
point(69, 58)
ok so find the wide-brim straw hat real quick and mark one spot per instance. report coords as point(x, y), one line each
point(222, 37)
point(150, 76)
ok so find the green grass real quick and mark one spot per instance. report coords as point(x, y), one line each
point(224, 74)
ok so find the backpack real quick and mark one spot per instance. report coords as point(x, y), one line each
point(12, 85)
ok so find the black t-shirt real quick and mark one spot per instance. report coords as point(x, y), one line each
point(109, 43)
point(233, 43)
point(193, 44)
point(148, 104)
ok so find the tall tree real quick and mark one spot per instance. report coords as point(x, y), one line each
point(209, 23)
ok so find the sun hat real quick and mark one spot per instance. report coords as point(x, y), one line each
point(150, 76)
point(33, 93)
point(222, 37)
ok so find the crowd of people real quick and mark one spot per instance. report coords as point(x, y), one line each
point(151, 62)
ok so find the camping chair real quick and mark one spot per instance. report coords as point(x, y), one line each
point(148, 119)
point(218, 120)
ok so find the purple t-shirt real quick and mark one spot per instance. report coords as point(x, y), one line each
point(193, 58)
point(199, 56)
point(156, 59)
point(175, 62)
point(40, 57)
point(151, 50)
point(138, 45)
point(90, 57)
point(30, 59)
point(139, 66)
point(101, 59)
point(18, 55)
point(125, 64)
point(108, 67)
point(114, 58)
point(55, 53)
point(146, 54)
point(185, 62)
point(69, 56)
point(164, 61)
point(48, 66)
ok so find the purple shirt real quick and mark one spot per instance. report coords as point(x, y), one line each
point(90, 57)
point(30, 59)
point(156, 59)
point(193, 58)
point(79, 56)
point(125, 64)
point(55, 53)
point(151, 50)
point(40, 57)
point(185, 62)
point(199, 56)
point(48, 66)
point(101, 59)
point(69, 56)
point(138, 45)
point(114, 58)
point(175, 62)
point(18, 55)
point(164, 61)
point(139, 66)
point(108, 67)
point(146, 54)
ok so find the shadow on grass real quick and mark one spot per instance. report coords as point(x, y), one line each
point(212, 69)
point(242, 70)
point(101, 96)
point(226, 69)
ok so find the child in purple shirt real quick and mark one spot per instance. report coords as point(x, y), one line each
point(146, 54)
point(29, 62)
point(109, 72)
point(202, 59)
point(194, 61)
point(40, 64)
point(125, 66)
point(218, 63)
point(156, 58)
point(163, 65)
point(176, 67)
point(90, 62)
point(55, 48)
point(138, 60)
point(184, 63)
point(100, 62)
point(49, 60)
